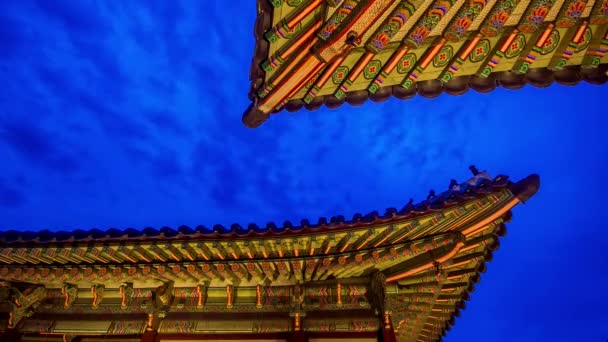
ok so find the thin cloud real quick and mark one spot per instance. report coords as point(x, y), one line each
point(11, 196)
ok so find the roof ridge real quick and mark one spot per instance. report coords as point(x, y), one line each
point(480, 184)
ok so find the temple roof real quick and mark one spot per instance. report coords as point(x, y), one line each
point(418, 265)
point(314, 53)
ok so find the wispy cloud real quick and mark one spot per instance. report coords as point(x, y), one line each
point(145, 100)
point(127, 113)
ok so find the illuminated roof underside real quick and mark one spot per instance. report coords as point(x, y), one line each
point(315, 52)
point(406, 273)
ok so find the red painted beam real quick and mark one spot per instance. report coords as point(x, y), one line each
point(386, 332)
point(10, 335)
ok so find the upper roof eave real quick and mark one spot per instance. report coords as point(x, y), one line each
point(537, 77)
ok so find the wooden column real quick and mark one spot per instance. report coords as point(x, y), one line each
point(151, 332)
point(386, 333)
point(149, 336)
point(297, 336)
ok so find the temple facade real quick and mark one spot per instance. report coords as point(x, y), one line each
point(401, 275)
point(311, 53)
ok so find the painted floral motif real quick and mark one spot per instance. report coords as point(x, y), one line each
point(499, 19)
point(103, 273)
point(339, 75)
point(459, 28)
point(337, 18)
point(419, 35)
point(516, 46)
point(380, 41)
point(575, 10)
point(496, 20)
point(600, 13)
point(328, 29)
point(117, 273)
point(45, 273)
point(464, 19)
point(75, 274)
point(481, 51)
point(462, 25)
point(132, 271)
point(30, 272)
point(551, 43)
point(572, 13)
point(372, 69)
point(443, 57)
point(426, 25)
point(536, 15)
point(396, 20)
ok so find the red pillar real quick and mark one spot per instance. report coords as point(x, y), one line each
point(297, 336)
point(149, 336)
point(386, 333)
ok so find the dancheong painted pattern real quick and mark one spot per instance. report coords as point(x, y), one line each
point(375, 49)
point(405, 274)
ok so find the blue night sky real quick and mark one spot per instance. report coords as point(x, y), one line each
point(128, 114)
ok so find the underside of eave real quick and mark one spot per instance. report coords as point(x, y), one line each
point(433, 319)
point(460, 85)
point(535, 74)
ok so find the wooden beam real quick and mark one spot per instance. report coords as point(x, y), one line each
point(256, 272)
point(12, 335)
point(188, 252)
point(418, 269)
point(173, 252)
point(235, 251)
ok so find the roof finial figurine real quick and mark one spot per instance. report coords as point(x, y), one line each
point(474, 170)
point(453, 183)
point(409, 206)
